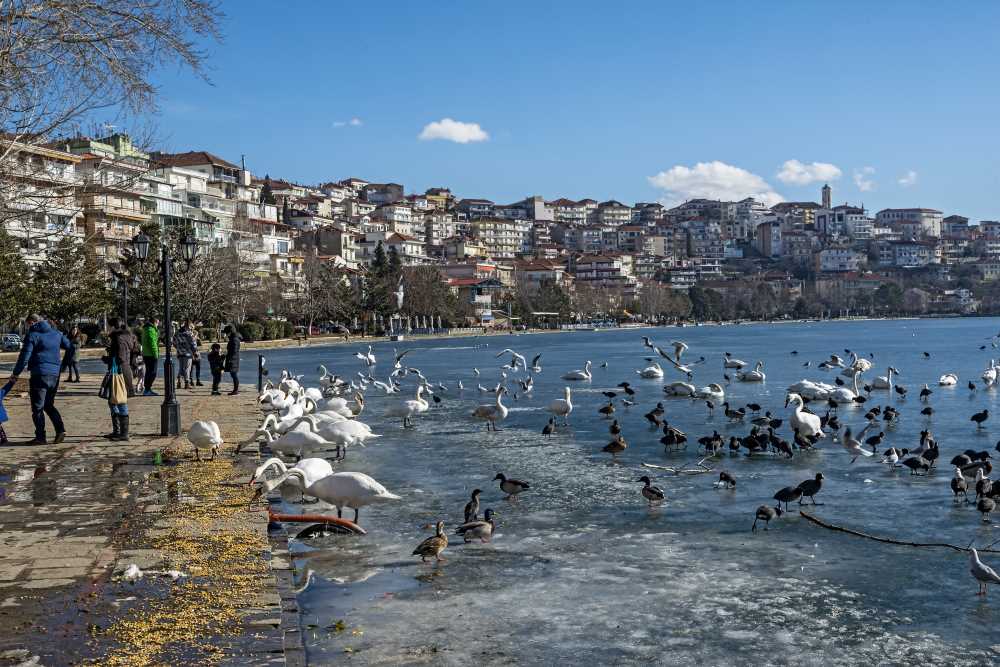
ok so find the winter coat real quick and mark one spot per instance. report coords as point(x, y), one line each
point(122, 348)
point(41, 350)
point(184, 343)
point(233, 353)
point(150, 341)
point(216, 361)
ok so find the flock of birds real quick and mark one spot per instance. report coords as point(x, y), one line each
point(306, 424)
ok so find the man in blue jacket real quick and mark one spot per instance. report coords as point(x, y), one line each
point(41, 355)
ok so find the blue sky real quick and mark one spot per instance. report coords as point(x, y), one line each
point(896, 103)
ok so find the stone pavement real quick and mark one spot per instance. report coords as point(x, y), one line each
point(75, 516)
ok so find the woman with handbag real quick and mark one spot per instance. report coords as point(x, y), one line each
point(121, 350)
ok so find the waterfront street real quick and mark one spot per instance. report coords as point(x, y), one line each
point(75, 516)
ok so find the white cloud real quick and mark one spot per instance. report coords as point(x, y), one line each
point(453, 130)
point(794, 172)
point(863, 178)
point(354, 122)
point(712, 180)
point(909, 179)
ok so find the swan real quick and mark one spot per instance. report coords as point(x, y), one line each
point(652, 372)
point(948, 380)
point(857, 365)
point(344, 489)
point(341, 434)
point(205, 435)
point(562, 407)
point(713, 392)
point(990, 374)
point(407, 409)
point(814, 391)
point(341, 406)
point(314, 469)
point(678, 388)
point(367, 357)
point(756, 375)
point(492, 413)
point(730, 362)
point(843, 395)
point(579, 374)
point(803, 423)
point(885, 381)
point(295, 443)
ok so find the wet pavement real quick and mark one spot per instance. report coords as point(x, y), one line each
point(75, 516)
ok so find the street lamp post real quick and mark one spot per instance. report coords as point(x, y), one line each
point(170, 410)
point(123, 280)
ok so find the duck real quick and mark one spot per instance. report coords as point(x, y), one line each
point(985, 506)
point(434, 545)
point(471, 511)
point(344, 489)
point(949, 380)
point(550, 427)
point(607, 410)
point(492, 413)
point(562, 407)
point(653, 494)
point(511, 487)
point(726, 481)
point(787, 495)
point(980, 418)
point(579, 375)
point(765, 513)
point(734, 415)
point(478, 530)
point(408, 409)
point(205, 435)
point(615, 428)
point(756, 375)
point(616, 446)
point(811, 487)
point(915, 463)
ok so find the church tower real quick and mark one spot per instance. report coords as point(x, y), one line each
point(826, 196)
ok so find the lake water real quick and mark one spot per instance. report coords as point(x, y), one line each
point(583, 571)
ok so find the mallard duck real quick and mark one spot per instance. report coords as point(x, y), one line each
point(615, 428)
point(607, 410)
point(433, 546)
point(511, 487)
point(616, 446)
point(653, 494)
point(481, 530)
point(472, 507)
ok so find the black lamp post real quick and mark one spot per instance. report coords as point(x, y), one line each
point(170, 411)
point(123, 280)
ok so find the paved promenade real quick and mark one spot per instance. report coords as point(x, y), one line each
point(75, 516)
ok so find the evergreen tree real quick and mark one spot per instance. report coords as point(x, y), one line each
point(267, 193)
point(379, 263)
point(72, 283)
point(17, 292)
point(395, 264)
point(286, 211)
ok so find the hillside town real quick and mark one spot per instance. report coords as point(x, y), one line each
point(701, 258)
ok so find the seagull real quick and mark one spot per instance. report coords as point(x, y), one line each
point(535, 368)
point(397, 364)
point(983, 573)
point(680, 347)
point(852, 445)
point(515, 358)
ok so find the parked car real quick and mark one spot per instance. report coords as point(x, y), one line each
point(10, 343)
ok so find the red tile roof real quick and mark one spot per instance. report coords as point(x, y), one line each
point(190, 159)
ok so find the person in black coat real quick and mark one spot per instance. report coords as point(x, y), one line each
point(232, 364)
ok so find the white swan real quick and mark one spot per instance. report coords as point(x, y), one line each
point(948, 380)
point(884, 381)
point(713, 392)
point(344, 489)
point(804, 423)
point(341, 406)
point(367, 358)
point(562, 407)
point(843, 395)
point(814, 391)
point(990, 374)
point(579, 374)
point(313, 469)
point(756, 375)
point(857, 365)
point(652, 372)
point(492, 413)
point(205, 435)
point(731, 362)
point(678, 388)
point(407, 409)
point(342, 434)
point(297, 443)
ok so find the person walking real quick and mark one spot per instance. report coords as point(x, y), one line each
point(184, 345)
point(40, 355)
point(71, 360)
point(150, 354)
point(196, 358)
point(3, 411)
point(216, 362)
point(122, 347)
point(232, 363)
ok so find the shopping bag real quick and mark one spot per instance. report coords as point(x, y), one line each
point(119, 391)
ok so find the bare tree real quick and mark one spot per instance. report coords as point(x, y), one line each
point(62, 62)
